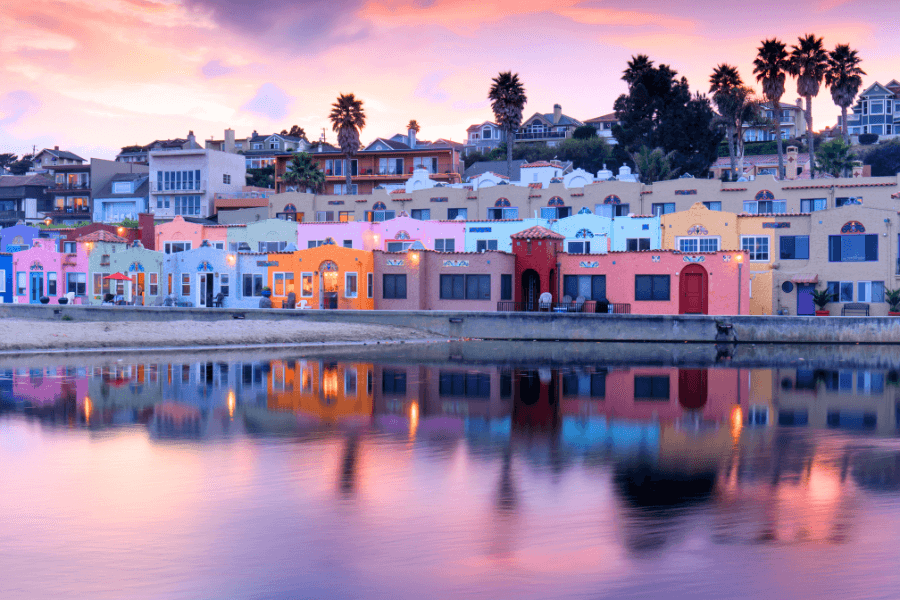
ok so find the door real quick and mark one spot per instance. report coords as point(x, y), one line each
point(139, 292)
point(693, 388)
point(531, 289)
point(201, 289)
point(805, 305)
point(37, 288)
point(693, 290)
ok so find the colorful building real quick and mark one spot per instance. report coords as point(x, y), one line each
point(270, 235)
point(327, 276)
point(109, 254)
point(178, 235)
point(42, 271)
point(496, 234)
point(201, 274)
point(18, 237)
point(6, 278)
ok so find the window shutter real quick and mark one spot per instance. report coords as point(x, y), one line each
point(834, 248)
point(871, 247)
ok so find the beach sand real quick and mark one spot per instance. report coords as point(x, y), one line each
point(22, 334)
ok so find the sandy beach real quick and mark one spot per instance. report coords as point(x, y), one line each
point(23, 334)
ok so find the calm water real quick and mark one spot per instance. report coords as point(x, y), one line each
point(217, 477)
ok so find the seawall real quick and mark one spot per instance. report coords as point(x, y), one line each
point(518, 326)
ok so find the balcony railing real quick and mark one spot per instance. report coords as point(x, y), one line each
point(71, 210)
point(71, 186)
point(197, 187)
point(241, 195)
point(543, 135)
point(588, 306)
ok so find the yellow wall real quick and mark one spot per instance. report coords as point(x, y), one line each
point(347, 260)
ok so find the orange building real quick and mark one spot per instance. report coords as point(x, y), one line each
point(322, 391)
point(328, 276)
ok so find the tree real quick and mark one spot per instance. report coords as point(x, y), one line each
point(348, 119)
point(653, 165)
point(414, 125)
point(303, 171)
point(835, 158)
point(507, 96)
point(884, 159)
point(844, 78)
point(771, 67)
point(659, 112)
point(584, 132)
point(725, 85)
point(21, 166)
point(808, 63)
point(295, 131)
point(6, 160)
point(590, 154)
point(261, 177)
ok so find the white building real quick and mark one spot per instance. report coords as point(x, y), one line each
point(184, 182)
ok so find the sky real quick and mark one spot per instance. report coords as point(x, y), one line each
point(93, 75)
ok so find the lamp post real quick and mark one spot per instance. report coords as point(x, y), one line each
point(740, 261)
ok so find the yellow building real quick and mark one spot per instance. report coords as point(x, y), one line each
point(328, 276)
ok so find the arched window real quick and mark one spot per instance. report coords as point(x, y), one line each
point(502, 203)
point(401, 235)
point(379, 206)
point(853, 227)
point(765, 195)
point(555, 201)
point(290, 208)
point(612, 199)
point(584, 233)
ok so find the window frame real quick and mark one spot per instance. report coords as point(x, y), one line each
point(395, 278)
point(351, 275)
point(655, 280)
point(755, 251)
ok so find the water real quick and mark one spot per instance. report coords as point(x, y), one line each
point(477, 471)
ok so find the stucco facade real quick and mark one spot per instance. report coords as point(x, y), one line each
point(328, 277)
point(276, 231)
point(42, 271)
point(6, 278)
point(179, 231)
point(18, 237)
point(209, 172)
point(498, 232)
point(200, 274)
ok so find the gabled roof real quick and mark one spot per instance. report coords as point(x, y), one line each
point(877, 88)
point(102, 236)
point(608, 118)
point(543, 163)
point(538, 233)
point(480, 125)
point(141, 191)
point(60, 154)
point(549, 119)
point(19, 180)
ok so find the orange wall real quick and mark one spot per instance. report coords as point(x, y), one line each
point(348, 260)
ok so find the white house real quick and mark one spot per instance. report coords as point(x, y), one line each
point(185, 182)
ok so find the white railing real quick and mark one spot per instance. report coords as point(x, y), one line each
point(197, 187)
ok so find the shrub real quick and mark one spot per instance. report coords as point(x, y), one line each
point(867, 139)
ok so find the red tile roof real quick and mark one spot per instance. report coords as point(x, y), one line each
point(102, 236)
point(541, 163)
point(538, 233)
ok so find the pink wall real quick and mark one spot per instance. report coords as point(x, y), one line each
point(361, 233)
point(179, 230)
point(424, 231)
point(44, 252)
point(620, 269)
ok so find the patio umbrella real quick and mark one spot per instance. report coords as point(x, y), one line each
point(119, 277)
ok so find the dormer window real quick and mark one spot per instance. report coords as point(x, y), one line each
point(121, 187)
point(486, 133)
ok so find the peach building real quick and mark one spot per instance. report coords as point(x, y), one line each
point(178, 235)
point(328, 276)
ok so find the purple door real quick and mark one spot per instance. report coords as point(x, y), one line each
point(805, 304)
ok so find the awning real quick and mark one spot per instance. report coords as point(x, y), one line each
point(805, 279)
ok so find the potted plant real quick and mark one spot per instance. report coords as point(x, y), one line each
point(266, 291)
point(892, 297)
point(820, 299)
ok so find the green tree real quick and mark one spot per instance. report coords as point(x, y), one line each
point(21, 166)
point(653, 165)
point(659, 112)
point(771, 67)
point(809, 63)
point(295, 131)
point(6, 160)
point(303, 171)
point(835, 158)
point(584, 132)
point(507, 96)
point(726, 87)
point(844, 78)
point(348, 119)
point(590, 154)
point(261, 177)
point(884, 159)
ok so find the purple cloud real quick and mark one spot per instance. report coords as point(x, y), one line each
point(270, 101)
point(17, 104)
point(216, 68)
point(429, 87)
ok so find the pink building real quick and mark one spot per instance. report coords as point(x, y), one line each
point(178, 235)
point(393, 235)
point(42, 271)
point(359, 235)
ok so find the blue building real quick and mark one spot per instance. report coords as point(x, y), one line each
point(876, 111)
point(6, 278)
point(18, 237)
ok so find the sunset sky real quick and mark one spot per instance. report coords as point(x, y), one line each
point(92, 76)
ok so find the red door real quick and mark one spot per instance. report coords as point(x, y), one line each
point(693, 388)
point(693, 290)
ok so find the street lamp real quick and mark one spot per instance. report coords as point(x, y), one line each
point(740, 261)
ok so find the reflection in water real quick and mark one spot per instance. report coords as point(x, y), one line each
point(512, 467)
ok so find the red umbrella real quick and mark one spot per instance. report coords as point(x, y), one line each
point(118, 277)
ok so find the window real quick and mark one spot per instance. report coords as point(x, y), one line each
point(178, 180)
point(393, 287)
point(154, 284)
point(465, 287)
point(794, 247)
point(350, 382)
point(370, 285)
point(763, 207)
point(76, 282)
point(651, 387)
point(226, 179)
point(852, 248)
point(341, 189)
point(162, 202)
point(651, 287)
point(272, 246)
point(812, 204)
point(421, 214)
point(578, 247)
point(121, 187)
point(346, 216)
point(698, 244)
point(51, 283)
point(663, 208)
point(757, 247)
point(469, 385)
point(350, 281)
point(283, 284)
point(502, 213)
point(870, 291)
point(348, 243)
point(636, 244)
point(314, 243)
point(550, 212)
point(378, 216)
point(841, 291)
point(612, 210)
point(393, 382)
point(398, 246)
point(218, 245)
point(325, 216)
point(186, 284)
point(187, 205)
point(713, 205)
point(506, 287)
point(591, 287)
point(848, 201)
point(173, 247)
point(482, 245)
point(253, 284)
point(21, 283)
point(334, 167)
point(169, 282)
point(306, 285)
point(457, 213)
point(445, 245)
point(69, 247)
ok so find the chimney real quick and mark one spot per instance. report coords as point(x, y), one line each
point(228, 143)
point(412, 138)
point(557, 113)
point(56, 148)
point(147, 231)
point(192, 141)
point(800, 102)
point(792, 167)
point(254, 133)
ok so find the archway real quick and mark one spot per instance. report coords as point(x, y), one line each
point(531, 289)
point(694, 291)
point(328, 284)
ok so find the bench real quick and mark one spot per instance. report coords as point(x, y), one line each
point(855, 307)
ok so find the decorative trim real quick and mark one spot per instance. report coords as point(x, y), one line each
point(685, 192)
point(204, 265)
point(401, 199)
point(363, 200)
point(455, 263)
point(735, 189)
point(554, 201)
point(764, 195)
point(589, 264)
point(267, 263)
point(784, 225)
point(612, 199)
point(726, 258)
point(479, 229)
point(136, 267)
point(395, 262)
point(402, 235)
point(584, 234)
point(502, 203)
point(698, 230)
point(577, 194)
point(654, 258)
point(439, 199)
point(334, 203)
point(694, 259)
point(853, 227)
point(36, 266)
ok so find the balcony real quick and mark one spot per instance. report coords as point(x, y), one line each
point(12, 215)
point(70, 186)
point(241, 195)
point(198, 187)
point(543, 135)
point(69, 210)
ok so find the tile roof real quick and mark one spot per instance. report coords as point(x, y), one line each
point(537, 233)
point(611, 117)
point(760, 159)
point(543, 163)
point(805, 278)
point(102, 236)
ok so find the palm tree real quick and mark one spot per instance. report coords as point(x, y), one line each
point(348, 119)
point(771, 67)
point(835, 158)
point(808, 63)
point(507, 96)
point(304, 172)
point(725, 85)
point(653, 165)
point(636, 67)
point(414, 125)
point(844, 78)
